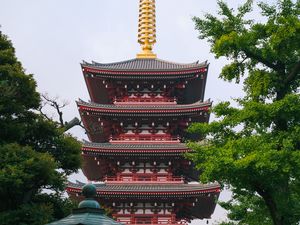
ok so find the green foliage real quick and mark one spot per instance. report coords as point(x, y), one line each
point(33, 214)
point(247, 208)
point(61, 206)
point(255, 147)
point(47, 136)
point(36, 154)
point(23, 172)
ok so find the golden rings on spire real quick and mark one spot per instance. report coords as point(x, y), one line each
point(147, 28)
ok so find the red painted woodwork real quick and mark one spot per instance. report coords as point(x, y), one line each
point(136, 124)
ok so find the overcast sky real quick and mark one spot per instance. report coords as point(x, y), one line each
point(52, 37)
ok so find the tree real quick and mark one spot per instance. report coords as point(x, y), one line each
point(255, 147)
point(36, 153)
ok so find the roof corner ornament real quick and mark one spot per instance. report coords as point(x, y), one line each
point(147, 29)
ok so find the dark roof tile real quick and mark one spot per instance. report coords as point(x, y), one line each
point(149, 187)
point(134, 146)
point(145, 65)
point(144, 107)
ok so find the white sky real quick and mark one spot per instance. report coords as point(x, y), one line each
point(52, 37)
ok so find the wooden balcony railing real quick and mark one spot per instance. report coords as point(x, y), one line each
point(135, 219)
point(144, 180)
point(121, 101)
point(144, 138)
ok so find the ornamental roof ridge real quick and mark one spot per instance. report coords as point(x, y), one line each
point(145, 107)
point(137, 64)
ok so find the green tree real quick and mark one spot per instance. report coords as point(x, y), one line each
point(255, 147)
point(36, 153)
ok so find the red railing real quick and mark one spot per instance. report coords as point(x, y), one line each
point(162, 180)
point(145, 100)
point(158, 223)
point(161, 219)
point(143, 138)
point(151, 223)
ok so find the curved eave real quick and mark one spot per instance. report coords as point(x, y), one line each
point(87, 216)
point(113, 109)
point(99, 71)
point(144, 67)
point(103, 148)
point(154, 152)
point(151, 193)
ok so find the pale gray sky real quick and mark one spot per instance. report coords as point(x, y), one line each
point(52, 37)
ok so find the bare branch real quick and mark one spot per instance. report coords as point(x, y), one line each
point(53, 102)
point(58, 106)
point(43, 114)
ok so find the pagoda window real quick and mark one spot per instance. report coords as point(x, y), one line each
point(127, 212)
point(162, 171)
point(140, 211)
point(145, 132)
point(140, 171)
point(148, 211)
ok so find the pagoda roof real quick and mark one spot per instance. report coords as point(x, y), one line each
point(140, 65)
point(88, 211)
point(149, 149)
point(149, 190)
point(120, 109)
point(86, 217)
point(88, 144)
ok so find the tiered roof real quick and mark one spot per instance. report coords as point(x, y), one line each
point(150, 190)
point(145, 65)
point(164, 110)
point(149, 67)
point(105, 117)
point(135, 149)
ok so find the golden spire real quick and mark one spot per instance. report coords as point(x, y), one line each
point(147, 28)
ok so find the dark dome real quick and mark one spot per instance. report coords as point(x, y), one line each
point(89, 191)
point(89, 204)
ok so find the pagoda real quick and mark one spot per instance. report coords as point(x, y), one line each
point(136, 124)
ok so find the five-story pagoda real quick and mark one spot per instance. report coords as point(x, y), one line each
point(136, 122)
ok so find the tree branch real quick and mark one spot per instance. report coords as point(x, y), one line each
point(74, 122)
point(44, 114)
point(293, 73)
point(269, 203)
point(54, 103)
point(57, 106)
point(251, 54)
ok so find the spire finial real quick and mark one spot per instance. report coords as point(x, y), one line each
point(147, 28)
point(89, 191)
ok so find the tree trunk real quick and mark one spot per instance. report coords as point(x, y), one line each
point(276, 216)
